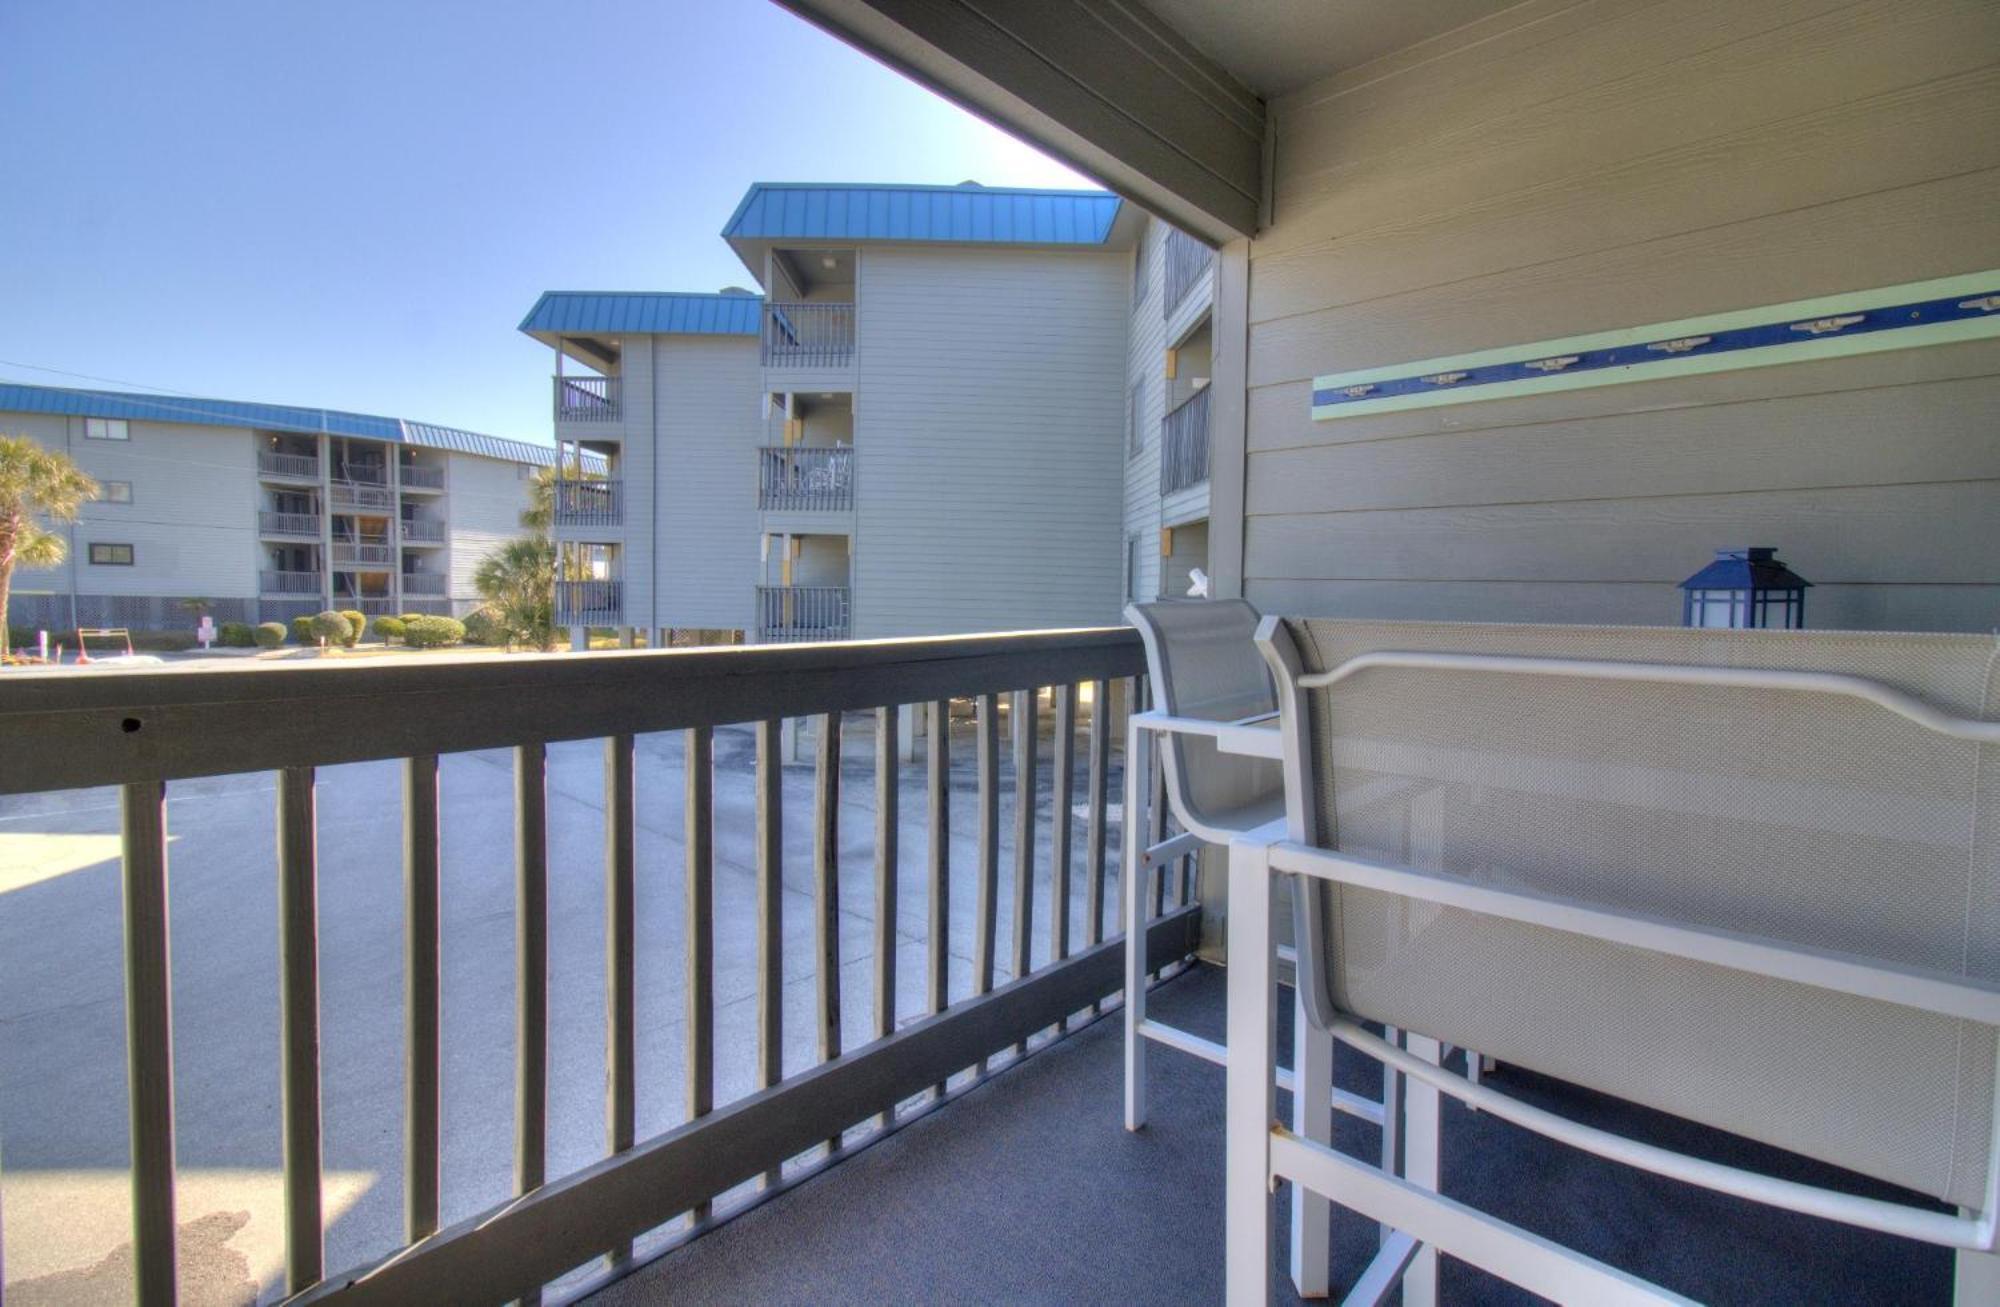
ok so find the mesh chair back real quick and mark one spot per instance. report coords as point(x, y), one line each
point(1203, 661)
point(1815, 820)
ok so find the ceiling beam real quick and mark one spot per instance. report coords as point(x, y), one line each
point(1103, 85)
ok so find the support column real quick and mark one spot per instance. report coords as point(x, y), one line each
point(906, 732)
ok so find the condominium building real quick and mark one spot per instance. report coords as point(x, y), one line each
point(268, 511)
point(918, 427)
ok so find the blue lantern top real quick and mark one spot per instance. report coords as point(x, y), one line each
point(1754, 567)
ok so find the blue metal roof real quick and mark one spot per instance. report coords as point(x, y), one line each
point(135, 407)
point(589, 313)
point(971, 214)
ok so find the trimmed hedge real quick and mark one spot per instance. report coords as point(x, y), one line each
point(389, 628)
point(302, 631)
point(425, 631)
point(235, 635)
point(330, 626)
point(482, 626)
point(356, 624)
point(269, 635)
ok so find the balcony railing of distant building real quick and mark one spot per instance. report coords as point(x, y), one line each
point(590, 502)
point(292, 467)
point(587, 399)
point(367, 551)
point(801, 612)
point(358, 494)
point(805, 478)
point(422, 531)
point(808, 335)
point(590, 603)
point(289, 583)
point(1186, 260)
point(420, 476)
point(72, 732)
point(294, 525)
point(1184, 444)
point(423, 583)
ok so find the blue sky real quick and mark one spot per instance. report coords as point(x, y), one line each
point(352, 204)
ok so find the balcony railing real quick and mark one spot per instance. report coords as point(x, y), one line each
point(289, 583)
point(66, 731)
point(1184, 444)
point(587, 399)
point(289, 525)
point(805, 478)
point(422, 531)
point(1186, 260)
point(590, 603)
point(365, 474)
point(420, 476)
point(808, 335)
point(424, 583)
point(349, 494)
point(373, 550)
point(801, 612)
point(287, 467)
point(590, 503)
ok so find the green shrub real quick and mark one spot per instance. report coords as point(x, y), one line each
point(269, 635)
point(430, 632)
point(302, 631)
point(356, 624)
point(330, 627)
point(482, 626)
point(389, 628)
point(235, 635)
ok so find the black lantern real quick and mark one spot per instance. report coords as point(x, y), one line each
point(1745, 588)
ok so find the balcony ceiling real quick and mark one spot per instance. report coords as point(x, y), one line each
point(1275, 46)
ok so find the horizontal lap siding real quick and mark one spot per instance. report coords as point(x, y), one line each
point(1599, 166)
point(192, 522)
point(989, 435)
point(483, 502)
point(1146, 348)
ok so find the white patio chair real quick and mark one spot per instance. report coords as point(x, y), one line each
point(1208, 681)
point(1748, 878)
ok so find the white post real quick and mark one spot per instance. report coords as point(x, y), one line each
point(906, 732)
point(1420, 1165)
point(1312, 1120)
point(1976, 1278)
point(1132, 900)
point(1250, 1075)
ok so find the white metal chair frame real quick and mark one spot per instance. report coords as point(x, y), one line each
point(1260, 1153)
point(1312, 1056)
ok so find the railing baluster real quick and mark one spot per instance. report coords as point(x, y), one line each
point(1061, 782)
point(984, 938)
point(1100, 789)
point(421, 984)
point(620, 947)
point(889, 802)
point(938, 766)
point(698, 764)
point(298, 1026)
point(1027, 707)
point(531, 976)
point(149, 1039)
point(826, 889)
point(770, 914)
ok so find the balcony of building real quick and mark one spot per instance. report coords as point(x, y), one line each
point(809, 319)
point(289, 583)
point(425, 584)
point(1188, 262)
point(587, 399)
point(803, 592)
point(590, 590)
point(808, 464)
point(288, 459)
point(420, 472)
point(363, 550)
point(362, 496)
point(422, 530)
point(288, 524)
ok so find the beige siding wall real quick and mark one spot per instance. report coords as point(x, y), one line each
point(989, 437)
point(1152, 329)
point(694, 400)
point(193, 516)
point(483, 502)
point(1601, 165)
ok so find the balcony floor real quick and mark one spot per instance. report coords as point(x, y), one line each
point(1028, 1189)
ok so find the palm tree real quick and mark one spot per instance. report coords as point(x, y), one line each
point(519, 580)
point(36, 485)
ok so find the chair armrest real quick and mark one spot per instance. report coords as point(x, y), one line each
point(1249, 736)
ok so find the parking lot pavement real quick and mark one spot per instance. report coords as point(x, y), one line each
point(64, 1197)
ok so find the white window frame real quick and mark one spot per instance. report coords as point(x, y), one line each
point(106, 429)
point(110, 492)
